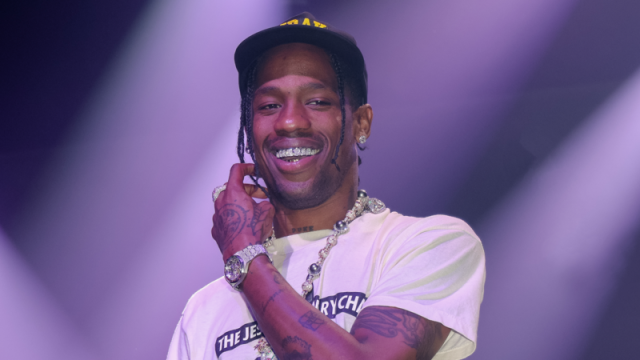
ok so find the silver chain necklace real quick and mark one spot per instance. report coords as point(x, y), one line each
point(363, 204)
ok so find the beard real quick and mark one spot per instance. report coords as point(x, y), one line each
point(306, 196)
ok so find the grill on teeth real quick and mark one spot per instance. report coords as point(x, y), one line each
point(295, 152)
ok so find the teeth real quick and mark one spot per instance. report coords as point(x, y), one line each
point(291, 152)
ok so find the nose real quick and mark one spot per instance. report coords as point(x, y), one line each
point(292, 119)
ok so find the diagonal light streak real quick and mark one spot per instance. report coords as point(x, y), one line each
point(556, 244)
point(33, 326)
point(127, 188)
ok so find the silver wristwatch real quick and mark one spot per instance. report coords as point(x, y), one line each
point(236, 267)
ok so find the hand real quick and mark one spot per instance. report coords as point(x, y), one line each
point(239, 221)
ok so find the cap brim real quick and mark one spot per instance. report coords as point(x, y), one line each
point(255, 45)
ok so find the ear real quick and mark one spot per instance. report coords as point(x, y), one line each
point(362, 119)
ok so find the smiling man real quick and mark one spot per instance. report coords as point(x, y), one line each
point(321, 270)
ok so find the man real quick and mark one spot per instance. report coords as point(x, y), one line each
point(345, 278)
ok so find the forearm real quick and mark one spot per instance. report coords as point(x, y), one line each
point(290, 323)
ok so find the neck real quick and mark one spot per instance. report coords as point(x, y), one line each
point(323, 216)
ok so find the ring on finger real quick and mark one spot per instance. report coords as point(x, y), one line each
point(217, 191)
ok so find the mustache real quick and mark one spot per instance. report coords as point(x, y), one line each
point(269, 141)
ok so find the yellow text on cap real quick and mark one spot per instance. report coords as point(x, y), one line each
point(304, 22)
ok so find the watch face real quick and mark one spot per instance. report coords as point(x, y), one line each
point(233, 268)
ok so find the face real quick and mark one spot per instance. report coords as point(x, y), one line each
point(297, 126)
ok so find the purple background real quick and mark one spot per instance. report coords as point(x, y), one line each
point(119, 118)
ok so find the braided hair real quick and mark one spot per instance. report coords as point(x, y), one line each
point(246, 125)
point(344, 75)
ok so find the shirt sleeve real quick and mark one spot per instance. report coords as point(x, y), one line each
point(435, 268)
point(179, 347)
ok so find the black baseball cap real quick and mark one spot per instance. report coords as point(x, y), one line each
point(302, 28)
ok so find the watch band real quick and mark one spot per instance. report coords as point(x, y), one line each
point(237, 266)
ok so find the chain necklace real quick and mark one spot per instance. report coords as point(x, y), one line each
point(363, 204)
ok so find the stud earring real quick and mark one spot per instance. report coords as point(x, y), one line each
point(246, 149)
point(362, 139)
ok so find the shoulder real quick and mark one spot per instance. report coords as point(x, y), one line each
point(430, 222)
point(433, 267)
point(435, 228)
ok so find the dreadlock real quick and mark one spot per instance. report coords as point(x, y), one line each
point(246, 107)
point(246, 125)
point(345, 75)
point(337, 68)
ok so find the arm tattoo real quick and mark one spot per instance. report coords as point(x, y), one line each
point(417, 332)
point(296, 349)
point(259, 216)
point(311, 321)
point(270, 300)
point(230, 221)
point(276, 279)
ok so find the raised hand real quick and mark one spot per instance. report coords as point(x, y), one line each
point(239, 221)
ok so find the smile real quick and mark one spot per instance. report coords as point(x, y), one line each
point(295, 154)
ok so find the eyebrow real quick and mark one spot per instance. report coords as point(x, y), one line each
point(313, 86)
point(308, 86)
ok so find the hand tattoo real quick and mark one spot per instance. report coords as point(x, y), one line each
point(418, 333)
point(259, 216)
point(229, 221)
point(296, 349)
point(311, 321)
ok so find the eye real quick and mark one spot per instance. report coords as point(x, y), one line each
point(319, 102)
point(269, 107)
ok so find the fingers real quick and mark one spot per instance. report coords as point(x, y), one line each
point(236, 180)
point(237, 174)
point(254, 191)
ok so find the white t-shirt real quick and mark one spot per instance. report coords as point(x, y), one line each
point(433, 267)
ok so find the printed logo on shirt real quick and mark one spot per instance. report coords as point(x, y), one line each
point(346, 302)
point(234, 338)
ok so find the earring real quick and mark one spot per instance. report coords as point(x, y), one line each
point(246, 149)
point(362, 139)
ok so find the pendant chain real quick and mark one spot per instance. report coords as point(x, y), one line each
point(363, 204)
